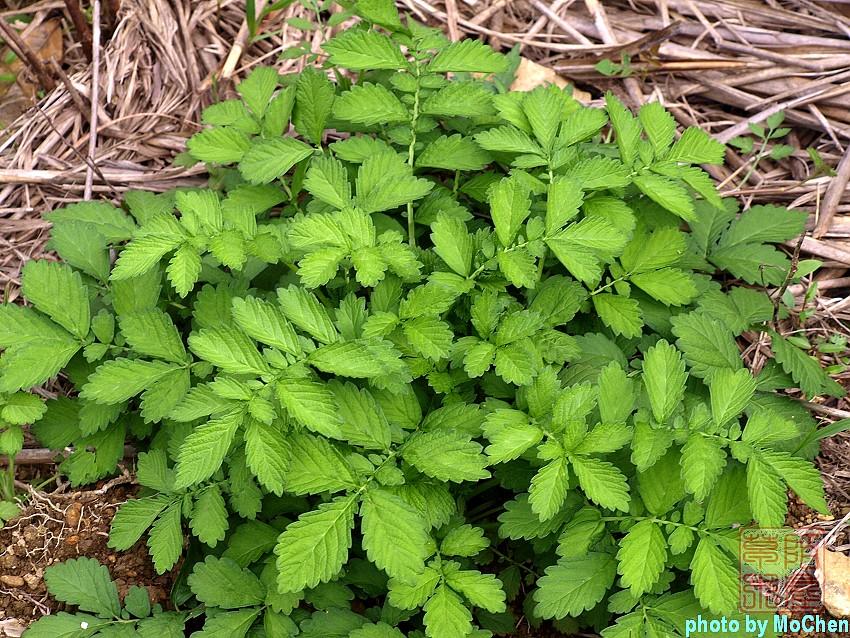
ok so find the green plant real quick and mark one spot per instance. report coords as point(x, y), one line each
point(764, 136)
point(377, 369)
point(613, 69)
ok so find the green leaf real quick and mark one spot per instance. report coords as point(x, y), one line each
point(29, 365)
point(209, 516)
point(659, 125)
point(20, 325)
point(519, 267)
point(664, 377)
point(316, 466)
point(166, 539)
point(257, 89)
point(706, 343)
point(446, 455)
point(445, 614)
point(203, 451)
point(766, 492)
point(229, 248)
point(800, 475)
point(57, 291)
point(269, 159)
point(802, 367)
point(454, 153)
point(452, 243)
point(22, 408)
point(152, 333)
point(460, 99)
point(395, 536)
point(369, 103)
point(510, 433)
point(111, 222)
point(82, 246)
point(508, 139)
point(667, 193)
point(730, 393)
point(363, 420)
point(381, 12)
point(714, 578)
point(602, 482)
point(304, 310)
point(183, 269)
point(616, 394)
point(758, 264)
point(361, 358)
point(120, 379)
point(600, 173)
point(219, 145)
point(234, 624)
point(482, 590)
point(563, 200)
point(649, 444)
point(133, 519)
point(429, 336)
point(670, 286)
point(229, 350)
point(465, 540)
point(695, 146)
point(414, 595)
point(327, 180)
point(574, 585)
point(314, 98)
point(642, 556)
point(220, 582)
point(703, 460)
point(361, 50)
point(311, 404)
point(626, 127)
point(86, 583)
point(509, 207)
point(268, 454)
point(468, 55)
point(619, 313)
point(314, 548)
point(549, 488)
point(265, 322)
point(763, 224)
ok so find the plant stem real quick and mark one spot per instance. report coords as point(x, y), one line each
point(411, 224)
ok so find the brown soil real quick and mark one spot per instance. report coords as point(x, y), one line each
point(56, 527)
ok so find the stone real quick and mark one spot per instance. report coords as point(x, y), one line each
point(32, 580)
point(833, 574)
point(12, 581)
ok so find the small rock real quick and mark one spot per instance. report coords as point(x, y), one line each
point(8, 561)
point(72, 514)
point(12, 581)
point(833, 574)
point(32, 580)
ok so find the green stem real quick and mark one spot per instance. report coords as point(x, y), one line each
point(756, 161)
point(411, 225)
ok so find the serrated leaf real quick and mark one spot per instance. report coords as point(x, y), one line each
point(311, 404)
point(133, 519)
point(509, 207)
point(327, 180)
point(574, 585)
point(446, 455)
point(667, 193)
point(304, 310)
point(482, 590)
point(86, 583)
point(626, 127)
point(314, 98)
point(519, 267)
point(510, 434)
point(642, 555)
point(257, 89)
point(664, 377)
point(619, 313)
point(454, 153)
point(703, 460)
point(229, 350)
point(602, 482)
point(165, 539)
point(460, 99)
point(314, 548)
point(369, 103)
point(706, 343)
point(659, 125)
point(763, 224)
point(316, 466)
point(363, 420)
point(268, 454)
point(759, 264)
point(563, 200)
point(800, 475)
point(269, 159)
point(468, 55)
point(802, 367)
point(714, 578)
point(695, 146)
point(233, 624)
point(549, 488)
point(361, 50)
point(452, 243)
point(616, 394)
point(766, 492)
point(151, 332)
point(209, 516)
point(204, 449)
point(120, 379)
point(730, 393)
point(183, 269)
point(108, 220)
point(361, 358)
point(82, 246)
point(57, 291)
point(220, 145)
point(465, 540)
point(395, 536)
point(508, 139)
point(230, 248)
point(670, 286)
point(445, 614)
point(429, 336)
point(220, 582)
point(265, 322)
